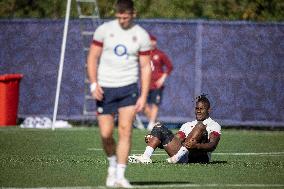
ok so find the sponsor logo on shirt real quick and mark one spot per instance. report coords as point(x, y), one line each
point(120, 50)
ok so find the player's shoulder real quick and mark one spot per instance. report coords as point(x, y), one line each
point(212, 124)
point(106, 28)
point(107, 25)
point(140, 29)
point(141, 32)
point(189, 124)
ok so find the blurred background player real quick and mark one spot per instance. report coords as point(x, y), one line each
point(161, 68)
point(118, 47)
point(193, 143)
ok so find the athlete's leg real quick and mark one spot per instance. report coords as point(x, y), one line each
point(125, 120)
point(160, 137)
point(173, 147)
point(147, 111)
point(154, 112)
point(154, 101)
point(195, 136)
point(106, 125)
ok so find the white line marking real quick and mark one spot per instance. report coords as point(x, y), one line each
point(100, 149)
point(214, 153)
point(210, 185)
point(250, 153)
point(95, 149)
point(240, 154)
point(168, 186)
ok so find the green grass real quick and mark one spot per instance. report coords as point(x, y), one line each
point(72, 157)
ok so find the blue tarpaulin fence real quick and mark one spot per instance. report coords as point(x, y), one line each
point(238, 64)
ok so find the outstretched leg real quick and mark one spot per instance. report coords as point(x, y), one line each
point(160, 137)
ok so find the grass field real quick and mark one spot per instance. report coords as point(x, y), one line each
point(73, 158)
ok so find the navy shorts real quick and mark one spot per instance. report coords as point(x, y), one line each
point(115, 98)
point(155, 96)
point(195, 157)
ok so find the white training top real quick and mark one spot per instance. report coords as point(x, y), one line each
point(118, 64)
point(211, 126)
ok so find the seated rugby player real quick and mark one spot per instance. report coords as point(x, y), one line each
point(193, 143)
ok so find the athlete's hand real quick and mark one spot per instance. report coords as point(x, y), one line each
point(140, 104)
point(160, 82)
point(98, 94)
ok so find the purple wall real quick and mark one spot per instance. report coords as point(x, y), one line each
point(239, 64)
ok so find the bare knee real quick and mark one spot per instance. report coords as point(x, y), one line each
point(152, 141)
point(162, 134)
point(124, 132)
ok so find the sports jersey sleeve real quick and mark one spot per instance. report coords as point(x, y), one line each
point(168, 64)
point(183, 127)
point(181, 132)
point(212, 126)
point(216, 128)
point(98, 37)
point(186, 128)
point(145, 46)
point(214, 132)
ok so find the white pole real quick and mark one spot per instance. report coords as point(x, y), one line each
point(63, 46)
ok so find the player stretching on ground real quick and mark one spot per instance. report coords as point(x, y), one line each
point(193, 143)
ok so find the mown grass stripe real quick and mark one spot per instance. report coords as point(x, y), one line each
point(171, 186)
point(215, 153)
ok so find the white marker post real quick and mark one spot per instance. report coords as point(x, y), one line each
point(59, 78)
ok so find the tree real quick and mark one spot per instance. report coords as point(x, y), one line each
point(254, 10)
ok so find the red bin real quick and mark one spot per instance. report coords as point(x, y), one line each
point(9, 98)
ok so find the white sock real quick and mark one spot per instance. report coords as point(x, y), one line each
point(148, 151)
point(111, 171)
point(120, 171)
point(182, 151)
point(112, 161)
point(150, 125)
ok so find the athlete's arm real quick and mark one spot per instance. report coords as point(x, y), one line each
point(214, 139)
point(92, 66)
point(160, 82)
point(145, 75)
point(167, 64)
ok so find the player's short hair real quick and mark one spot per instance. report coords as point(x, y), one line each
point(123, 6)
point(202, 98)
point(152, 37)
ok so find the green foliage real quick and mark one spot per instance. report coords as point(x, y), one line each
point(73, 157)
point(255, 10)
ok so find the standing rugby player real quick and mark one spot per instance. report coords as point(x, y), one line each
point(119, 47)
point(161, 67)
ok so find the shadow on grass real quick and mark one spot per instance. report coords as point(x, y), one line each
point(158, 183)
point(218, 162)
point(212, 162)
